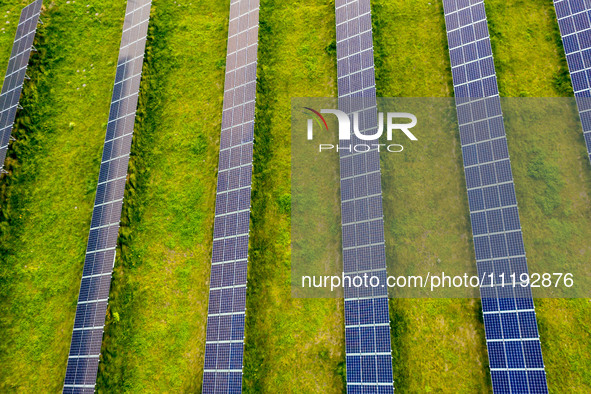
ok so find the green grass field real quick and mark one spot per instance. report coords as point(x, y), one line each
point(292, 345)
point(155, 334)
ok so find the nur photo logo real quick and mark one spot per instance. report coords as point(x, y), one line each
point(345, 126)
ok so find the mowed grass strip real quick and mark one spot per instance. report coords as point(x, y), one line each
point(552, 180)
point(155, 337)
point(437, 344)
point(292, 345)
point(48, 202)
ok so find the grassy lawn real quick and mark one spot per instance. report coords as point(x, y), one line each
point(527, 49)
point(47, 201)
point(316, 246)
point(292, 345)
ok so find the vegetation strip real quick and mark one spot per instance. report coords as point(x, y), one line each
point(292, 345)
point(51, 192)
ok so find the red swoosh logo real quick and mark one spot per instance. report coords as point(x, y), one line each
point(321, 117)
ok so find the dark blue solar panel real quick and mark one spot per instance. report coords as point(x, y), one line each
point(224, 350)
point(575, 28)
point(515, 357)
point(15, 73)
point(367, 330)
point(102, 240)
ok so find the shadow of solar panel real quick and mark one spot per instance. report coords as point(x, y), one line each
point(367, 332)
point(15, 73)
point(574, 22)
point(509, 317)
point(89, 322)
point(227, 296)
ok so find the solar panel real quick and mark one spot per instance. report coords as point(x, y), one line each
point(514, 351)
point(100, 253)
point(574, 20)
point(16, 72)
point(367, 319)
point(224, 344)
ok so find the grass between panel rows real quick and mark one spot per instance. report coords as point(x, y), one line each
point(48, 203)
point(292, 345)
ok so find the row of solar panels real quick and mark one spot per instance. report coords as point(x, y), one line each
point(15, 73)
point(224, 342)
point(515, 355)
point(367, 319)
point(89, 322)
point(511, 330)
point(574, 20)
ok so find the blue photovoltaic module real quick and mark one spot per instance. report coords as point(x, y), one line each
point(15, 73)
point(367, 319)
point(574, 19)
point(224, 345)
point(514, 351)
